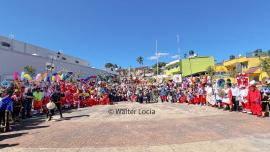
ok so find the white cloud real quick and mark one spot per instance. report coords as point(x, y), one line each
point(160, 54)
point(175, 56)
point(152, 57)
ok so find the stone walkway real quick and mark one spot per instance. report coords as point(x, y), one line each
point(142, 127)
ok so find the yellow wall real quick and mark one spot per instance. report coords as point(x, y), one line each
point(220, 68)
point(251, 62)
point(233, 62)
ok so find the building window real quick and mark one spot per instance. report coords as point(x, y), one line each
point(5, 44)
point(63, 58)
point(244, 65)
point(77, 61)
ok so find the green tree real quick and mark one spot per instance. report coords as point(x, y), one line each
point(109, 65)
point(29, 70)
point(161, 65)
point(268, 52)
point(265, 63)
point(210, 70)
point(232, 57)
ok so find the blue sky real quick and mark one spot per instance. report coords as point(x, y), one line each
point(118, 31)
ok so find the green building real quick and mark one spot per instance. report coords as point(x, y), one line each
point(189, 66)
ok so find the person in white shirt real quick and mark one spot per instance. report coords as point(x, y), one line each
point(235, 97)
point(218, 97)
point(243, 98)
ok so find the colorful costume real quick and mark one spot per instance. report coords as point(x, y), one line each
point(254, 99)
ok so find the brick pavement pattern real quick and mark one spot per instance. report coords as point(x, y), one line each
point(169, 127)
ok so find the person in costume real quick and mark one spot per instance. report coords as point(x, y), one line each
point(202, 94)
point(46, 99)
point(38, 98)
point(56, 98)
point(6, 108)
point(210, 98)
point(17, 104)
point(227, 99)
point(219, 94)
point(190, 96)
point(254, 99)
point(164, 94)
point(265, 93)
point(27, 103)
point(243, 99)
point(235, 97)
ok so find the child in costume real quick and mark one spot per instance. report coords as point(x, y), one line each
point(227, 99)
point(38, 98)
point(243, 99)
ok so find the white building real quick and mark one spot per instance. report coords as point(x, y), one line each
point(15, 55)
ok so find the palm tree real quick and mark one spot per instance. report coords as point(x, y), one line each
point(191, 52)
point(140, 62)
point(185, 55)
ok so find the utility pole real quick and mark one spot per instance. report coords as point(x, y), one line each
point(157, 55)
point(179, 56)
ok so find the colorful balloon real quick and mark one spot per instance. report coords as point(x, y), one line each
point(53, 78)
point(28, 77)
point(16, 76)
point(58, 78)
point(38, 77)
point(22, 75)
point(63, 76)
point(44, 76)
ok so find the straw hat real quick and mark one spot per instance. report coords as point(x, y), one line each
point(252, 83)
point(50, 105)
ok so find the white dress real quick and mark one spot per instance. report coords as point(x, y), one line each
point(243, 95)
point(210, 98)
point(226, 98)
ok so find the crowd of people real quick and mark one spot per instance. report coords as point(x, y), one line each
point(23, 99)
point(242, 96)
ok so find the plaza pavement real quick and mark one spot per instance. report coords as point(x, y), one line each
point(167, 128)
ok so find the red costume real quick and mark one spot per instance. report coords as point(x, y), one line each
point(254, 100)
